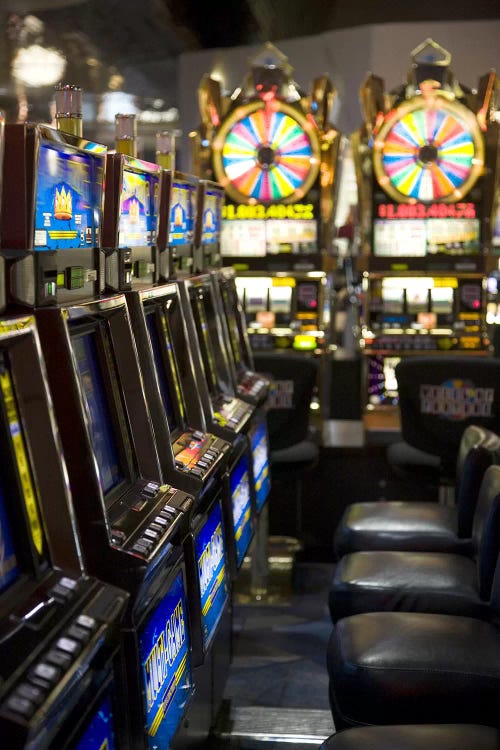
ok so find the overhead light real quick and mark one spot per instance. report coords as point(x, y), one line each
point(38, 66)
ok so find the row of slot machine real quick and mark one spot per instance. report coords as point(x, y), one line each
point(408, 203)
point(134, 450)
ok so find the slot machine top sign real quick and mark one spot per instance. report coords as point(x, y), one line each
point(267, 149)
point(429, 146)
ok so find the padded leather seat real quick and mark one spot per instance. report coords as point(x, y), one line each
point(425, 581)
point(422, 526)
point(409, 668)
point(416, 737)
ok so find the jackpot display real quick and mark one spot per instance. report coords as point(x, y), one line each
point(166, 666)
point(267, 147)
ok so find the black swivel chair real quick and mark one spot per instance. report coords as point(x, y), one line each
point(438, 398)
point(292, 442)
point(416, 737)
point(423, 526)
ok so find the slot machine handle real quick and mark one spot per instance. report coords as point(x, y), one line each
point(34, 617)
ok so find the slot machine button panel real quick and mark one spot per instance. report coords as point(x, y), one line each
point(87, 622)
point(62, 592)
point(69, 646)
point(197, 435)
point(160, 521)
point(30, 692)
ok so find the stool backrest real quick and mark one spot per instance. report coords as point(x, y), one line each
point(294, 377)
point(479, 448)
point(486, 530)
point(440, 396)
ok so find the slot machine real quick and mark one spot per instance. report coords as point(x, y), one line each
point(250, 386)
point(207, 236)
point(132, 526)
point(204, 464)
point(426, 166)
point(51, 215)
point(177, 227)
point(59, 627)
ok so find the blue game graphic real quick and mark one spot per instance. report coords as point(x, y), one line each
point(99, 734)
point(239, 488)
point(138, 209)
point(67, 212)
point(181, 222)
point(261, 473)
point(166, 666)
point(211, 217)
point(8, 562)
point(211, 561)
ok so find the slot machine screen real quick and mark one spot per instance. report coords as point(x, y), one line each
point(9, 570)
point(382, 383)
point(216, 340)
point(211, 563)
point(442, 300)
point(99, 734)
point(98, 409)
point(215, 380)
point(211, 226)
point(234, 330)
point(182, 212)
point(239, 488)
point(393, 299)
point(280, 300)
point(158, 354)
point(166, 666)
point(138, 209)
point(68, 199)
point(261, 468)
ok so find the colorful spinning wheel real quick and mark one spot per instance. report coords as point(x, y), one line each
point(428, 150)
point(266, 152)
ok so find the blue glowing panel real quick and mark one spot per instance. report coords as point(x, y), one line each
point(181, 224)
point(212, 212)
point(103, 437)
point(8, 562)
point(67, 210)
point(99, 734)
point(138, 213)
point(166, 666)
point(261, 472)
point(211, 561)
point(239, 488)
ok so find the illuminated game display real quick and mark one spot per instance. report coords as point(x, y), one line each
point(261, 468)
point(182, 211)
point(138, 214)
point(9, 570)
point(239, 488)
point(99, 734)
point(211, 217)
point(212, 574)
point(166, 666)
point(67, 213)
point(267, 145)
